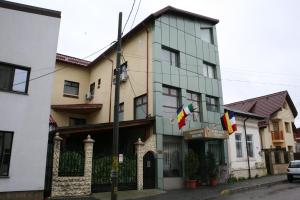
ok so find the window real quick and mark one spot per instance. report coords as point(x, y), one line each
point(121, 112)
point(140, 107)
point(71, 88)
point(99, 82)
point(250, 145)
point(238, 145)
point(209, 70)
point(207, 35)
point(194, 98)
point(170, 56)
point(172, 157)
point(76, 121)
point(14, 78)
point(212, 104)
point(287, 127)
point(275, 126)
point(5, 151)
point(92, 89)
point(170, 102)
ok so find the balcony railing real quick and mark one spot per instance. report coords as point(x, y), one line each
point(277, 136)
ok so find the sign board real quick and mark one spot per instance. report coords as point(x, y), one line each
point(121, 158)
point(205, 133)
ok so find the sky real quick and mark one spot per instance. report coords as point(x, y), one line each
point(258, 40)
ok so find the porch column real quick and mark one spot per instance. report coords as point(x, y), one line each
point(56, 154)
point(281, 157)
point(88, 161)
point(139, 152)
point(291, 155)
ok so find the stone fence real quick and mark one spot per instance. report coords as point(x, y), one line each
point(282, 164)
point(72, 186)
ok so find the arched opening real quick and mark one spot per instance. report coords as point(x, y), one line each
point(149, 170)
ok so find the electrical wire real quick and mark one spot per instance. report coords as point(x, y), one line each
point(128, 16)
point(135, 14)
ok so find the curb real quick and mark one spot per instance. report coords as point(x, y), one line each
point(225, 192)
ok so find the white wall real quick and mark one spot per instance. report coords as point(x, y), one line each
point(29, 40)
point(239, 164)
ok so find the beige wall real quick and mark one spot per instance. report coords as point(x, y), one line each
point(135, 53)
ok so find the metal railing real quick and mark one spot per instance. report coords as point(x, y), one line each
point(277, 135)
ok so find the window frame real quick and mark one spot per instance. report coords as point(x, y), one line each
point(170, 143)
point(13, 68)
point(140, 105)
point(198, 102)
point(178, 99)
point(71, 95)
point(77, 118)
point(238, 154)
point(208, 104)
point(92, 89)
point(249, 144)
point(11, 143)
point(211, 34)
point(206, 66)
point(170, 51)
point(287, 127)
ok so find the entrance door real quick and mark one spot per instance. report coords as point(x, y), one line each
point(149, 170)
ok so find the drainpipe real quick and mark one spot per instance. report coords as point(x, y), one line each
point(111, 83)
point(249, 170)
point(147, 73)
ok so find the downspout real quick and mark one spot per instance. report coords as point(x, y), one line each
point(111, 83)
point(147, 73)
point(249, 170)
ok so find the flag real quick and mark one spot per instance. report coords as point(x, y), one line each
point(181, 117)
point(188, 109)
point(232, 120)
point(227, 124)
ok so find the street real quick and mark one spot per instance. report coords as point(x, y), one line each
point(286, 191)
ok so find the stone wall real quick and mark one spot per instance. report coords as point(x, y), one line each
point(24, 195)
point(72, 186)
point(141, 149)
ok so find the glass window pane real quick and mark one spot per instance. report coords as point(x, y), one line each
point(174, 92)
point(170, 101)
point(5, 151)
point(172, 159)
point(5, 77)
point(165, 90)
point(211, 73)
point(205, 73)
point(71, 88)
point(20, 80)
point(206, 35)
point(165, 55)
point(140, 112)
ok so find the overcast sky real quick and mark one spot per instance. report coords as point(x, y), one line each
point(259, 40)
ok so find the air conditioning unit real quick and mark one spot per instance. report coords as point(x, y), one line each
point(88, 96)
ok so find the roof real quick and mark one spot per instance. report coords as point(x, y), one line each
point(29, 9)
point(265, 105)
point(244, 113)
point(152, 17)
point(72, 60)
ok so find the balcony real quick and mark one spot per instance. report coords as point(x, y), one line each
point(277, 136)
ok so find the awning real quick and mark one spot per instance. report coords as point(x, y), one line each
point(103, 126)
point(77, 108)
point(205, 133)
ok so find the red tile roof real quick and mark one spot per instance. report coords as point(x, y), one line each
point(71, 60)
point(265, 105)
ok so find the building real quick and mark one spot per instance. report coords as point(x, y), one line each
point(246, 158)
point(170, 59)
point(28, 40)
point(276, 132)
point(297, 139)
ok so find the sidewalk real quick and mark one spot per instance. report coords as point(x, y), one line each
point(201, 193)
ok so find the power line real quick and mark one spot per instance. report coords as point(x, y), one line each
point(98, 50)
point(136, 14)
point(128, 16)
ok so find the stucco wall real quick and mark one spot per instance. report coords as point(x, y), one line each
point(29, 40)
point(239, 165)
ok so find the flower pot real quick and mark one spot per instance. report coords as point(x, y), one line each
point(191, 184)
point(213, 182)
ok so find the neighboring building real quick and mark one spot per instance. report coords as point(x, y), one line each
point(246, 158)
point(276, 132)
point(28, 39)
point(297, 139)
point(279, 112)
point(172, 59)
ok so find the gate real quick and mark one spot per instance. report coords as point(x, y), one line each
point(149, 171)
point(267, 159)
point(101, 181)
point(48, 174)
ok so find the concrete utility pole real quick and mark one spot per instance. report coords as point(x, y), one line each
point(115, 157)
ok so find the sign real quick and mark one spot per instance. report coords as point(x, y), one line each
point(205, 133)
point(121, 158)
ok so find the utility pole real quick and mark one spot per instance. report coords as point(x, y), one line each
point(115, 157)
point(247, 149)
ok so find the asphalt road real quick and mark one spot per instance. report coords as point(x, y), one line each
point(284, 191)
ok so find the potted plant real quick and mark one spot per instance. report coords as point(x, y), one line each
point(212, 169)
point(191, 168)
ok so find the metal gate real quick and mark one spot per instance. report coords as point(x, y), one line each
point(101, 181)
point(48, 174)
